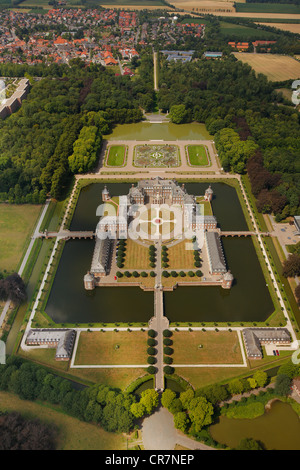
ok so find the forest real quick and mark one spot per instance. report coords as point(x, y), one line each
point(37, 141)
point(43, 144)
point(252, 128)
point(19, 433)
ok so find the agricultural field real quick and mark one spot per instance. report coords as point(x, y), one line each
point(209, 347)
point(197, 155)
point(132, 4)
point(112, 348)
point(276, 67)
point(207, 6)
point(267, 8)
point(16, 225)
point(292, 28)
point(116, 155)
point(244, 33)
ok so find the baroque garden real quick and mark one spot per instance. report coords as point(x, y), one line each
point(120, 291)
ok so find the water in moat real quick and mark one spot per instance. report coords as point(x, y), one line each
point(163, 131)
point(248, 300)
point(69, 302)
point(277, 429)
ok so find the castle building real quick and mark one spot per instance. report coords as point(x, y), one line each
point(156, 191)
point(208, 194)
point(215, 253)
point(105, 194)
point(100, 263)
point(159, 191)
point(227, 280)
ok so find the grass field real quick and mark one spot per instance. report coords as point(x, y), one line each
point(111, 347)
point(267, 8)
point(72, 433)
point(137, 256)
point(286, 93)
point(179, 257)
point(197, 155)
point(114, 377)
point(201, 377)
point(116, 155)
point(276, 67)
point(244, 33)
point(209, 347)
point(16, 225)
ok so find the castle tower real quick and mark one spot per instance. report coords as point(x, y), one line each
point(105, 194)
point(208, 194)
point(227, 280)
point(89, 282)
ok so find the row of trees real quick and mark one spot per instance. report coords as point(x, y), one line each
point(114, 410)
point(85, 150)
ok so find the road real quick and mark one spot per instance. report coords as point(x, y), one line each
point(155, 70)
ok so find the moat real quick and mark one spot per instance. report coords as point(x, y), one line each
point(248, 300)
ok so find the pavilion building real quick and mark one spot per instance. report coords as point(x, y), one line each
point(254, 338)
point(61, 339)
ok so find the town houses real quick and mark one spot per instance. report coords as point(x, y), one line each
point(60, 35)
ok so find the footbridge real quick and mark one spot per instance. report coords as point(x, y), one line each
point(68, 234)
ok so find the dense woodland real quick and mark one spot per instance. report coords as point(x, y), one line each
point(66, 114)
point(19, 433)
point(37, 141)
point(252, 128)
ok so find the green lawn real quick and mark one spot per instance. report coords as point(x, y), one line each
point(209, 347)
point(197, 155)
point(244, 33)
point(116, 155)
point(111, 347)
point(16, 225)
